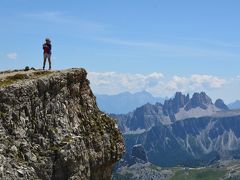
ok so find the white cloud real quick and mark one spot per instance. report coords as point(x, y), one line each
point(155, 83)
point(195, 82)
point(12, 56)
point(113, 82)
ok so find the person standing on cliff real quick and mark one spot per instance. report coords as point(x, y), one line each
point(47, 47)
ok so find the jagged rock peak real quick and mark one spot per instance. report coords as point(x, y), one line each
point(51, 128)
point(202, 98)
point(199, 100)
point(219, 103)
point(172, 106)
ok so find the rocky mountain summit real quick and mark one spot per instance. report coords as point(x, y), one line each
point(178, 108)
point(182, 106)
point(183, 131)
point(51, 128)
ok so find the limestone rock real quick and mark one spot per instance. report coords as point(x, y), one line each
point(199, 100)
point(51, 128)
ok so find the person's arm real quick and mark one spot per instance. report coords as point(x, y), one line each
point(44, 46)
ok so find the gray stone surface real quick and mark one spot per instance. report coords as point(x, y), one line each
point(51, 128)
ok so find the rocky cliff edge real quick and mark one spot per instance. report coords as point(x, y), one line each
point(51, 128)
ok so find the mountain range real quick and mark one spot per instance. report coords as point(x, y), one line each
point(183, 130)
point(125, 102)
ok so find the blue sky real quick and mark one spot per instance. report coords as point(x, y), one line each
point(192, 45)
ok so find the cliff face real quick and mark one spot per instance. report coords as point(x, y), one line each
point(51, 128)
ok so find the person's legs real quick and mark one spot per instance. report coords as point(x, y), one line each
point(44, 60)
point(49, 61)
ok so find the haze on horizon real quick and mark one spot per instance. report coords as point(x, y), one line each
point(158, 46)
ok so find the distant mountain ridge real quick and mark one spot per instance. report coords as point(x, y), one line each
point(125, 102)
point(194, 141)
point(183, 130)
point(234, 105)
point(179, 107)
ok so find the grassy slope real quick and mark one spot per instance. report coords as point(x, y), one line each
point(227, 170)
point(8, 80)
point(199, 174)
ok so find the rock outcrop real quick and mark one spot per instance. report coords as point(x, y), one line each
point(138, 151)
point(172, 106)
point(199, 100)
point(51, 128)
point(219, 103)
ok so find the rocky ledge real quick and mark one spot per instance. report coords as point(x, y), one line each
point(51, 128)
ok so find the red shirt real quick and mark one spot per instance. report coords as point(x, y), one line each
point(47, 48)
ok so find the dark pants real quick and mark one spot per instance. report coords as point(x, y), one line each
point(45, 57)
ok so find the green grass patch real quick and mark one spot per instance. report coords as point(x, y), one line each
point(54, 148)
point(5, 82)
point(12, 79)
point(42, 73)
point(199, 174)
point(67, 139)
point(2, 115)
point(17, 77)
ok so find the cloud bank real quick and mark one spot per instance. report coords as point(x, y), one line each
point(155, 83)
